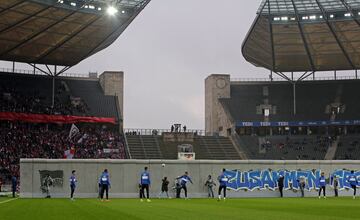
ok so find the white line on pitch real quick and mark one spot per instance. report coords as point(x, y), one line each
point(9, 200)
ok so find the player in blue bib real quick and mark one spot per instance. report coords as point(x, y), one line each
point(352, 179)
point(104, 182)
point(145, 184)
point(184, 179)
point(322, 184)
point(223, 180)
point(73, 182)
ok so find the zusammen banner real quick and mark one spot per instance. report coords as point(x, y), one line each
point(267, 179)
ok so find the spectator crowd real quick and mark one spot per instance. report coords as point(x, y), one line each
point(23, 140)
point(32, 101)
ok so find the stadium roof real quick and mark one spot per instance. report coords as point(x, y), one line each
point(305, 35)
point(62, 32)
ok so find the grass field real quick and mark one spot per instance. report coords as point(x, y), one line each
point(91, 209)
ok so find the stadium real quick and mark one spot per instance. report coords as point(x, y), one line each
point(286, 146)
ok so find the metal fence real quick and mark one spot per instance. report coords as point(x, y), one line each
point(141, 131)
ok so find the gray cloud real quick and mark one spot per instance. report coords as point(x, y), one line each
point(168, 51)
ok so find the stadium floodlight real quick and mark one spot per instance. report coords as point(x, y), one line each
point(111, 10)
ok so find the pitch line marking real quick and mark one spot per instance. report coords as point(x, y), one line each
point(9, 200)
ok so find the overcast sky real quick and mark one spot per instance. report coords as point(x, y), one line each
point(168, 51)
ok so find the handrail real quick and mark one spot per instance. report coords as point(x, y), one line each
point(127, 147)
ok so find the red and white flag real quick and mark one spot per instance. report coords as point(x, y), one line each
point(69, 154)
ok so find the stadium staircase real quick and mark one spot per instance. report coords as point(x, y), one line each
point(205, 148)
point(238, 146)
point(144, 147)
point(331, 152)
point(218, 148)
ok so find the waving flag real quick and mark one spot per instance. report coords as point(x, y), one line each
point(73, 131)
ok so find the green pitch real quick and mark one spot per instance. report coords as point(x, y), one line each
point(244, 209)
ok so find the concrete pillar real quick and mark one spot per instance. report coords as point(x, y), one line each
point(216, 86)
point(112, 83)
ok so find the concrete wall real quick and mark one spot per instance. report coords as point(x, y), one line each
point(216, 121)
point(112, 83)
point(125, 175)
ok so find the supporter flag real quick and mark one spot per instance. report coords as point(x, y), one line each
point(82, 138)
point(73, 131)
point(69, 154)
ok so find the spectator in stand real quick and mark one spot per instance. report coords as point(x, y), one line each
point(12, 100)
point(23, 140)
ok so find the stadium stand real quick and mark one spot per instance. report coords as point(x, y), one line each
point(157, 147)
point(24, 140)
point(73, 96)
point(348, 148)
point(260, 117)
point(247, 97)
point(25, 93)
point(298, 147)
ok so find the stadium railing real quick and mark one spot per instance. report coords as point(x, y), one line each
point(140, 131)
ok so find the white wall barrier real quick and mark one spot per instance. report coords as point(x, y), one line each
point(248, 178)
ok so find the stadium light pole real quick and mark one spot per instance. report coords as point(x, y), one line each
point(111, 10)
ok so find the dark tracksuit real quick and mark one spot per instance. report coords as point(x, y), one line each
point(281, 185)
point(13, 185)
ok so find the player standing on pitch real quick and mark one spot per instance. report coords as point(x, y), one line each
point(353, 182)
point(184, 179)
point(164, 187)
point(209, 184)
point(281, 185)
point(322, 183)
point(223, 180)
point(145, 184)
point(104, 181)
point(73, 182)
